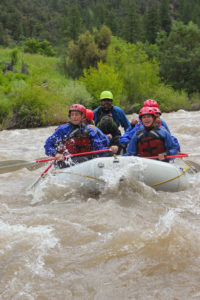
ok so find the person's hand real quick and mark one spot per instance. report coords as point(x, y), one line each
point(109, 136)
point(161, 156)
point(59, 156)
point(114, 149)
point(134, 121)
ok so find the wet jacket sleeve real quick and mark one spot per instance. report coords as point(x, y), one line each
point(53, 142)
point(170, 146)
point(126, 137)
point(120, 117)
point(95, 140)
point(103, 137)
point(164, 124)
point(95, 115)
point(132, 147)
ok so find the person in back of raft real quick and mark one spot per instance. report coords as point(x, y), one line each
point(151, 139)
point(73, 137)
point(89, 120)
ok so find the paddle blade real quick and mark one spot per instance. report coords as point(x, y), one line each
point(14, 165)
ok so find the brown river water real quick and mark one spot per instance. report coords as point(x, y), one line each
point(130, 242)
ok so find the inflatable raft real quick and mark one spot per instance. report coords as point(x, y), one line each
point(96, 173)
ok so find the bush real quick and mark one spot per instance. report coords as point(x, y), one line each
point(33, 46)
point(169, 100)
point(103, 78)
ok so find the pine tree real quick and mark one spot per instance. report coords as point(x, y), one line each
point(165, 20)
point(152, 25)
point(131, 31)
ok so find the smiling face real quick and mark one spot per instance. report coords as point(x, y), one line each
point(76, 117)
point(147, 120)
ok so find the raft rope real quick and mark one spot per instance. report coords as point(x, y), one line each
point(173, 178)
point(86, 176)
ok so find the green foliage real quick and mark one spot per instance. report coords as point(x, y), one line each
point(132, 30)
point(87, 51)
point(33, 46)
point(104, 77)
point(103, 37)
point(170, 100)
point(75, 92)
point(179, 56)
point(72, 24)
point(138, 74)
point(152, 25)
point(4, 107)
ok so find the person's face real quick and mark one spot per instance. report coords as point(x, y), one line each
point(76, 117)
point(157, 116)
point(147, 120)
point(107, 103)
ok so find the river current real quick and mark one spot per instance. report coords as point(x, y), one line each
point(130, 242)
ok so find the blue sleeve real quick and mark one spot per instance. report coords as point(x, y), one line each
point(164, 124)
point(104, 138)
point(176, 142)
point(53, 142)
point(132, 147)
point(120, 117)
point(170, 146)
point(126, 137)
point(95, 139)
point(95, 115)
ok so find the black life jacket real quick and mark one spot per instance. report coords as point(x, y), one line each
point(150, 143)
point(102, 113)
point(77, 141)
point(106, 122)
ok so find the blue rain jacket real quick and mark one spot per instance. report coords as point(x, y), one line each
point(170, 146)
point(118, 115)
point(56, 139)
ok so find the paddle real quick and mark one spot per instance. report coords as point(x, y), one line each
point(14, 165)
point(179, 155)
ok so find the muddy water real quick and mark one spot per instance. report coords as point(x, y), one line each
point(130, 242)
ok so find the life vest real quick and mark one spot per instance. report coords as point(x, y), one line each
point(77, 141)
point(106, 122)
point(103, 115)
point(150, 143)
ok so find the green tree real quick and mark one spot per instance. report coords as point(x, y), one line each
point(165, 20)
point(139, 75)
point(72, 25)
point(131, 31)
point(152, 25)
point(179, 56)
point(104, 77)
point(87, 51)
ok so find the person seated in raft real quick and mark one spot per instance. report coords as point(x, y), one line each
point(108, 117)
point(89, 120)
point(125, 139)
point(150, 139)
point(73, 137)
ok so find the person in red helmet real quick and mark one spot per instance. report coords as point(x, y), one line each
point(89, 120)
point(150, 103)
point(73, 137)
point(150, 139)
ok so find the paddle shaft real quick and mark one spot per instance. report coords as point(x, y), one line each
point(180, 155)
point(73, 155)
point(14, 165)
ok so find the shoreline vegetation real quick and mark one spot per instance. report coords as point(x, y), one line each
point(36, 92)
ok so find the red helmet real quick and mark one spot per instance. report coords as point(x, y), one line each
point(147, 111)
point(77, 107)
point(157, 110)
point(150, 103)
point(89, 114)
